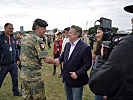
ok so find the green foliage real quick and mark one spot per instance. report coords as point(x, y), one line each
point(55, 30)
point(22, 33)
point(115, 29)
point(28, 31)
point(93, 30)
point(54, 88)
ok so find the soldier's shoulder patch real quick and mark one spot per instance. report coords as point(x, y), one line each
point(42, 46)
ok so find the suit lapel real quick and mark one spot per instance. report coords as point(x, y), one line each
point(67, 51)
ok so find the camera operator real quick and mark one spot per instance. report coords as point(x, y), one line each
point(114, 77)
point(97, 54)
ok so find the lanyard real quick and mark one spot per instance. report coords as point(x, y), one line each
point(9, 42)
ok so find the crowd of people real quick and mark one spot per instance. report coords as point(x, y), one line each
point(110, 79)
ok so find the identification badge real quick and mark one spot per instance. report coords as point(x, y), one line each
point(10, 48)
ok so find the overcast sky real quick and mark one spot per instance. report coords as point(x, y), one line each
point(62, 13)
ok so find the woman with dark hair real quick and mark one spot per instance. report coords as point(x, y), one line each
point(96, 55)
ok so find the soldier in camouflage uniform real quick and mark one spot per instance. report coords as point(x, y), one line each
point(32, 51)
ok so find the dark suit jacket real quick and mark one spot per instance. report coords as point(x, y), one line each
point(114, 78)
point(80, 61)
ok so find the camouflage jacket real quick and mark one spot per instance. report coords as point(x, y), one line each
point(32, 51)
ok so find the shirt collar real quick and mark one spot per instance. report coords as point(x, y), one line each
point(75, 42)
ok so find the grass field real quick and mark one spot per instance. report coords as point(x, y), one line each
point(53, 85)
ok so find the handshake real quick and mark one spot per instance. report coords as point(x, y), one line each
point(56, 62)
point(50, 60)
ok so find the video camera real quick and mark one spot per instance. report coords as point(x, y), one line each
point(109, 38)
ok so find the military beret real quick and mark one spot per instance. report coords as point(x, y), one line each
point(41, 23)
point(129, 8)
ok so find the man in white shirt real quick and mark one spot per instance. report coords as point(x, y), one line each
point(66, 39)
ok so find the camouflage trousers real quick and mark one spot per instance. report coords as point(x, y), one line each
point(33, 90)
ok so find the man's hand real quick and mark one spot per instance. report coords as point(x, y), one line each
point(50, 60)
point(73, 75)
point(18, 62)
point(105, 97)
point(20, 58)
point(57, 62)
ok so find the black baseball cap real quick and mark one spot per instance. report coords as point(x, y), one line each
point(129, 8)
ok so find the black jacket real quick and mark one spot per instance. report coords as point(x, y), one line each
point(7, 56)
point(79, 62)
point(115, 77)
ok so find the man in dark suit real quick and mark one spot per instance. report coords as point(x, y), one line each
point(77, 60)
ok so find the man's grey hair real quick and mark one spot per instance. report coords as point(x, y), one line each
point(78, 30)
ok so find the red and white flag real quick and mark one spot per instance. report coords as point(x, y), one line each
point(42, 46)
